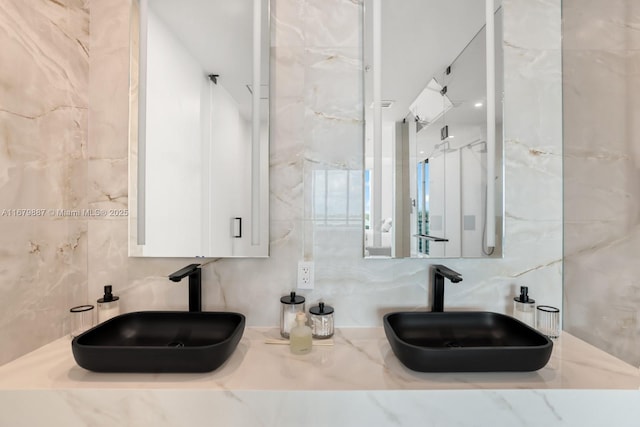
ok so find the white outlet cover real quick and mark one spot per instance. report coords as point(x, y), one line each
point(305, 275)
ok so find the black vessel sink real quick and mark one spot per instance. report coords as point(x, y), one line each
point(160, 341)
point(465, 342)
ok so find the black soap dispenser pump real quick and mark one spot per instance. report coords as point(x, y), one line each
point(524, 307)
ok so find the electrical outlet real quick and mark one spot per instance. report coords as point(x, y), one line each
point(305, 275)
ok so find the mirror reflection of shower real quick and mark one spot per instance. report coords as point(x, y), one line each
point(427, 171)
point(199, 148)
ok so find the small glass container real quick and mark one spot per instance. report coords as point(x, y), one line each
point(290, 305)
point(548, 321)
point(321, 321)
point(300, 341)
point(81, 319)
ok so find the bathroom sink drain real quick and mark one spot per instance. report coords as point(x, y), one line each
point(175, 344)
point(453, 344)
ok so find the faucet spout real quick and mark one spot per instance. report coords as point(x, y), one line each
point(439, 274)
point(194, 273)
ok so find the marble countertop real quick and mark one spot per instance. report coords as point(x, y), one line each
point(361, 359)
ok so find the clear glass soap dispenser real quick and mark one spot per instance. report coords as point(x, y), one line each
point(524, 307)
point(108, 305)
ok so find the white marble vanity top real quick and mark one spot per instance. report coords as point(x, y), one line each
point(361, 359)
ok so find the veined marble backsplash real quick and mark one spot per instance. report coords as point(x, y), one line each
point(44, 87)
point(316, 126)
point(602, 174)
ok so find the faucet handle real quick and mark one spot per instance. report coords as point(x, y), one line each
point(184, 272)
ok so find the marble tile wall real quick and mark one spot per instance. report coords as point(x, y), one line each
point(44, 52)
point(601, 66)
point(316, 126)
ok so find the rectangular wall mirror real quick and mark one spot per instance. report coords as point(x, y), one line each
point(433, 179)
point(199, 128)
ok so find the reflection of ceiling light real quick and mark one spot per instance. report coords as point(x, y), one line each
point(421, 151)
point(478, 104)
point(451, 136)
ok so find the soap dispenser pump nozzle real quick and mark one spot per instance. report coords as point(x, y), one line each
point(108, 295)
point(524, 295)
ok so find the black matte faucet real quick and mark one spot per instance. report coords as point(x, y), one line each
point(439, 273)
point(195, 284)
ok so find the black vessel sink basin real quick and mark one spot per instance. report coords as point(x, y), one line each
point(160, 341)
point(465, 342)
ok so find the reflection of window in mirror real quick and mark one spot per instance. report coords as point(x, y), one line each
point(422, 219)
point(333, 195)
point(367, 199)
point(383, 229)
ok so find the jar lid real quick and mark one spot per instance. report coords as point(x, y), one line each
point(321, 309)
point(292, 298)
